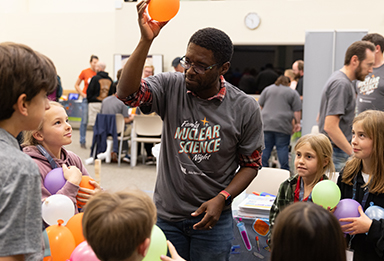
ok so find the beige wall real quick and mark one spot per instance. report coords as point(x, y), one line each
point(69, 31)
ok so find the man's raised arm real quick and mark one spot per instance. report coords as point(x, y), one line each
point(131, 75)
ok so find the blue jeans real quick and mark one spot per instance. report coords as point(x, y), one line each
point(84, 120)
point(200, 245)
point(339, 158)
point(281, 141)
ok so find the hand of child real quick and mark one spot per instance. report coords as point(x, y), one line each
point(72, 174)
point(358, 225)
point(88, 193)
point(212, 209)
point(331, 210)
point(174, 254)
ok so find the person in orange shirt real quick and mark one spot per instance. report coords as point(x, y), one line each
point(86, 76)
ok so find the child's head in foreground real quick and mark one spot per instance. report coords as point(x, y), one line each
point(314, 156)
point(118, 225)
point(24, 75)
point(306, 231)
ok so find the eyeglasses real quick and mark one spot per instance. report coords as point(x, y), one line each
point(197, 68)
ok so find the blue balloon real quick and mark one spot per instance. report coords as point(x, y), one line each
point(375, 212)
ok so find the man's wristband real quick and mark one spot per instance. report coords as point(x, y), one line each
point(225, 194)
point(227, 197)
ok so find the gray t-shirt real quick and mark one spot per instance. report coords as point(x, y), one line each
point(200, 144)
point(370, 93)
point(279, 103)
point(112, 105)
point(338, 98)
point(20, 201)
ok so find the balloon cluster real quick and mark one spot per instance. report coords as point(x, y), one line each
point(65, 239)
point(327, 194)
point(65, 233)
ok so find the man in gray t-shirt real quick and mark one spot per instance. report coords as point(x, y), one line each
point(370, 92)
point(210, 129)
point(337, 105)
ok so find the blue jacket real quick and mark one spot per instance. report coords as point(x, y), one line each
point(105, 126)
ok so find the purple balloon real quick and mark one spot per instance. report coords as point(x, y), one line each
point(347, 208)
point(54, 180)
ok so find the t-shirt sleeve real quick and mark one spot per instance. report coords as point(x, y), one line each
point(124, 110)
point(261, 100)
point(252, 137)
point(296, 102)
point(82, 75)
point(338, 98)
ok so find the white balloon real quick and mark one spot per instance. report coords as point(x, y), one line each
point(57, 207)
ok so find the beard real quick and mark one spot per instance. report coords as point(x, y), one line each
point(359, 74)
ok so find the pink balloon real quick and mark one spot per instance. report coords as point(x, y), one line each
point(54, 180)
point(83, 252)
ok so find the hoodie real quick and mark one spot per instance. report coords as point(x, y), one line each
point(67, 157)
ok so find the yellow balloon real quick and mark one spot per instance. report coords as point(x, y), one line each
point(163, 10)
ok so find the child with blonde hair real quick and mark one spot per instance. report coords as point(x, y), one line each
point(45, 146)
point(312, 162)
point(362, 179)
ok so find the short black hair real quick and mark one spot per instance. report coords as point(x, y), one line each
point(376, 39)
point(215, 40)
point(176, 62)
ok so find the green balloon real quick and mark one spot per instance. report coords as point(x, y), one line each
point(158, 245)
point(326, 194)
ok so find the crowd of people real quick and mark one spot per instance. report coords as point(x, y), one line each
point(214, 140)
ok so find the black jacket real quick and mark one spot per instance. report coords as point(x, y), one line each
point(100, 87)
point(371, 246)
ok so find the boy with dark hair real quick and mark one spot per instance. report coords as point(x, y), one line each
point(26, 78)
point(118, 225)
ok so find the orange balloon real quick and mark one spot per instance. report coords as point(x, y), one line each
point(163, 10)
point(61, 242)
point(85, 184)
point(47, 258)
point(75, 226)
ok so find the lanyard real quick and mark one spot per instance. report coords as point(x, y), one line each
point(366, 192)
point(46, 154)
point(301, 194)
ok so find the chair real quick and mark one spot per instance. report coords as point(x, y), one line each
point(268, 180)
point(120, 127)
point(105, 126)
point(334, 177)
point(106, 135)
point(315, 129)
point(144, 125)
